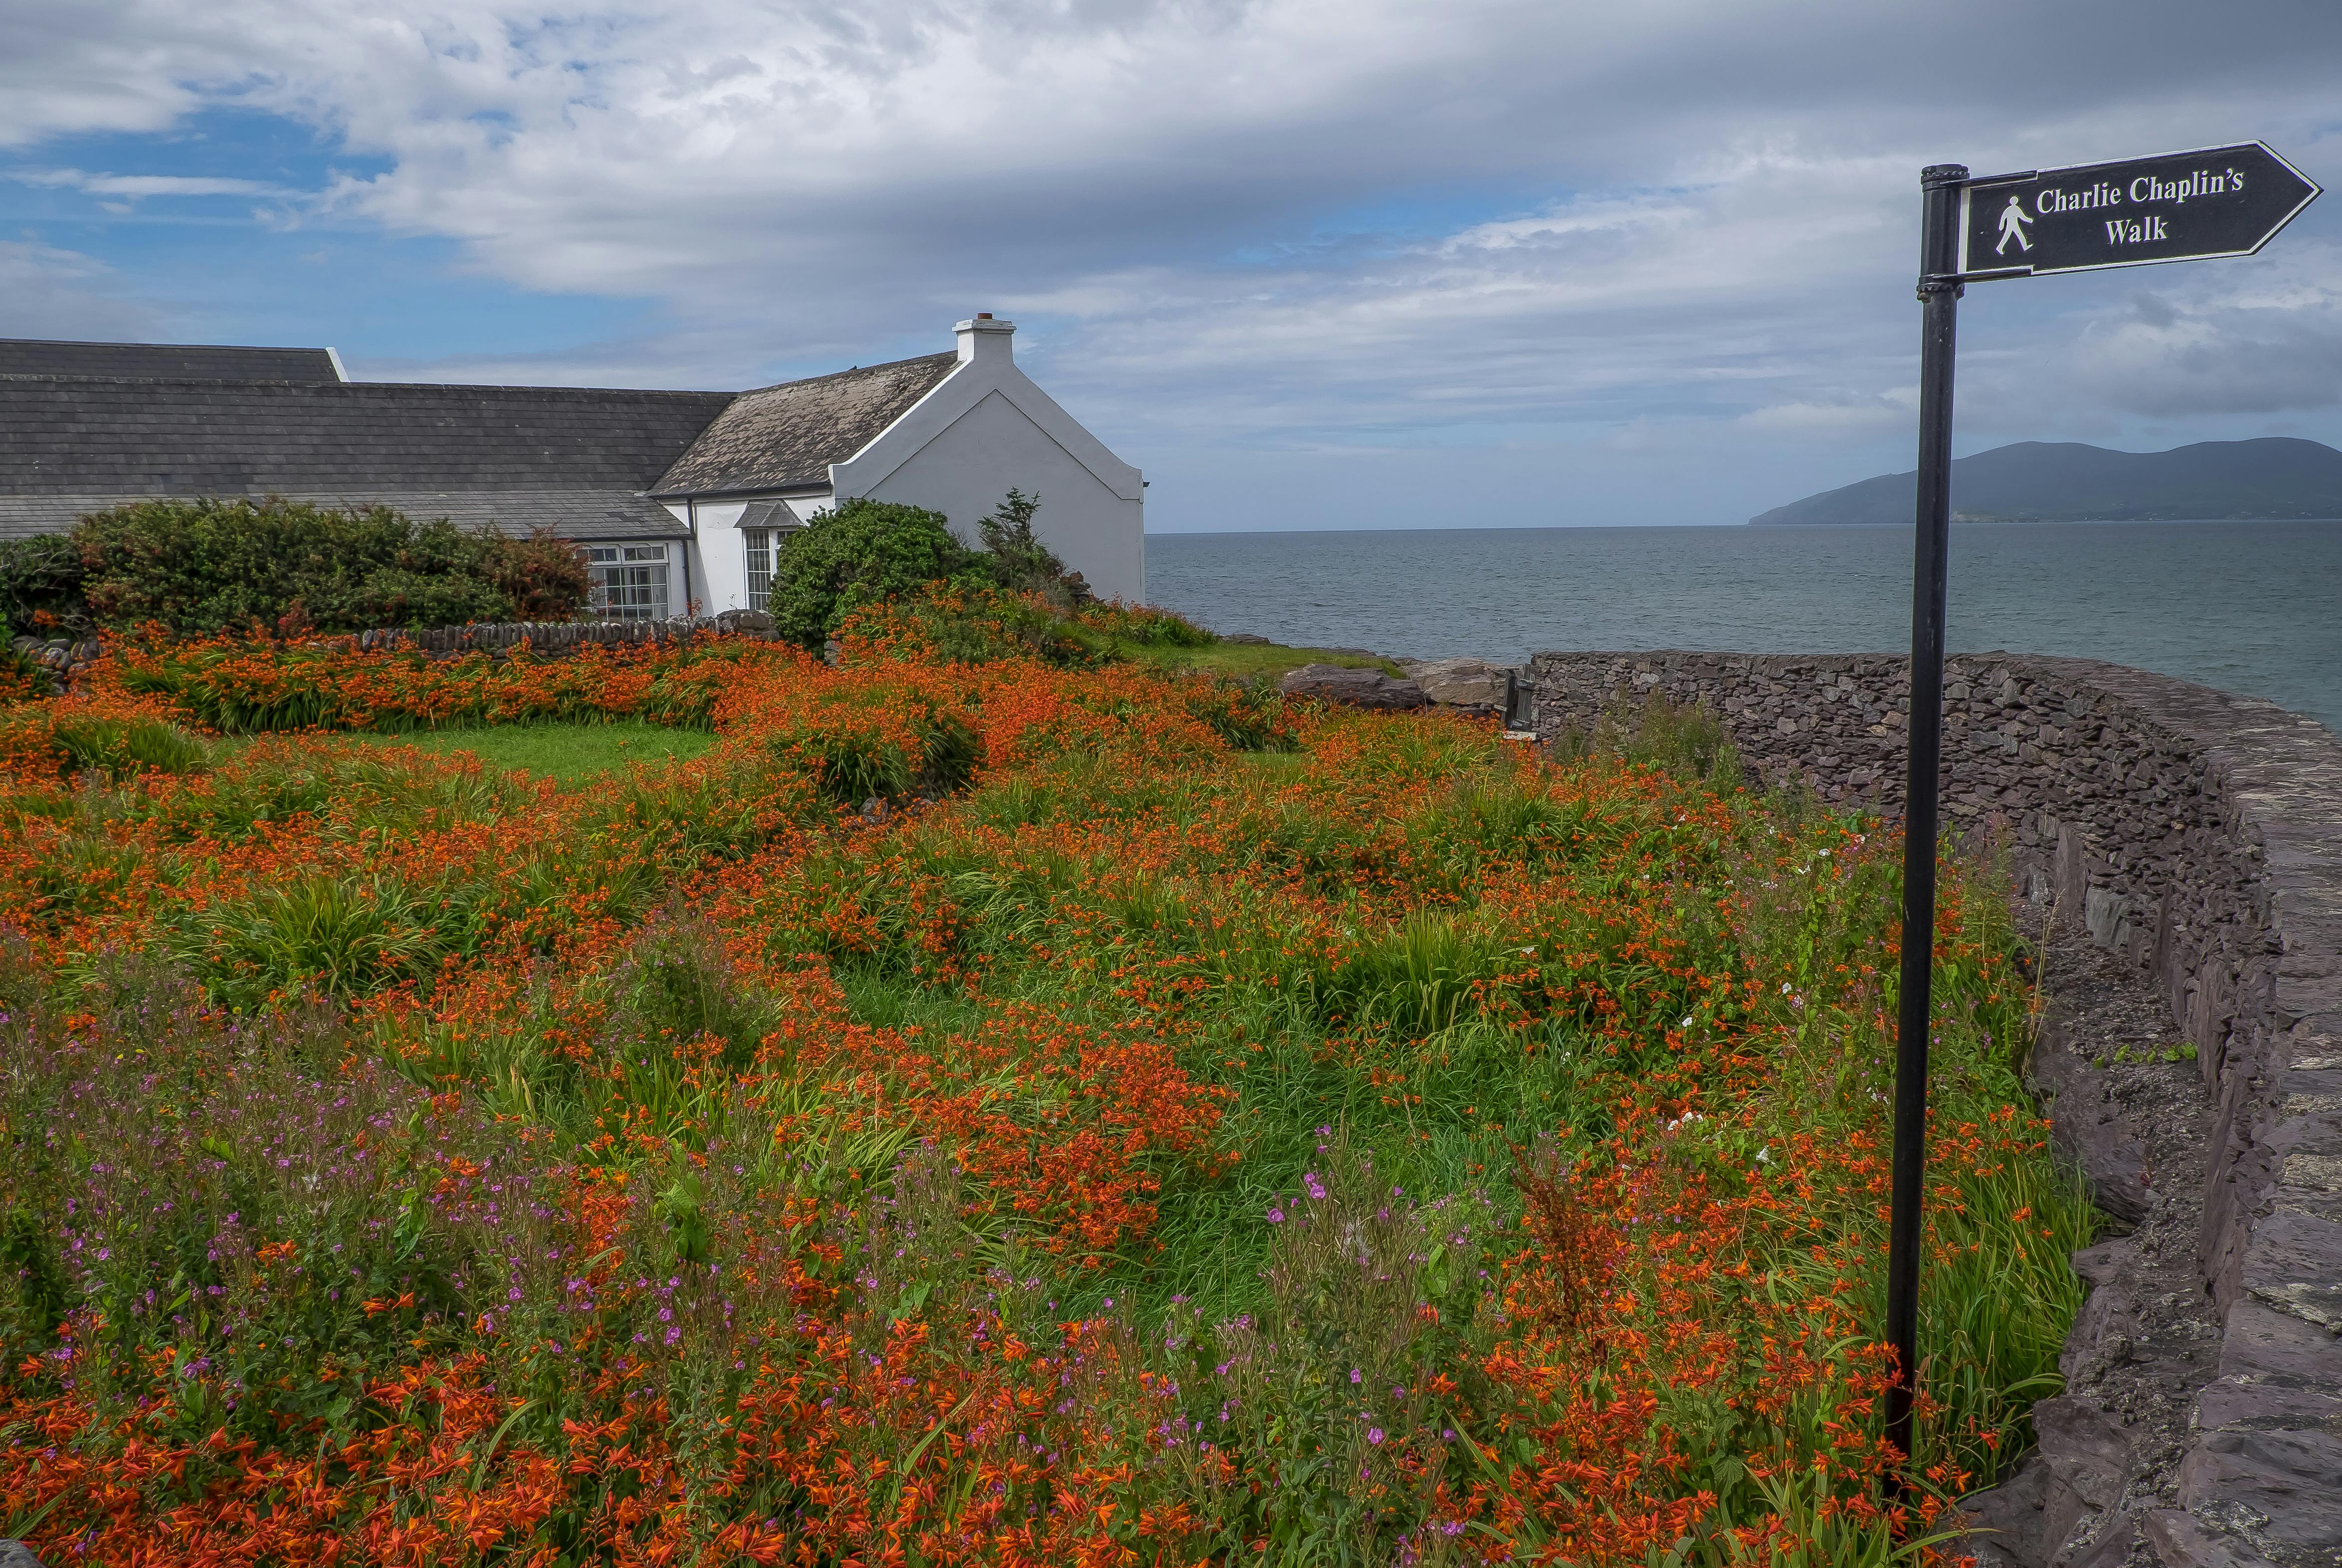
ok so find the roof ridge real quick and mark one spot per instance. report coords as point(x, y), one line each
point(112, 343)
point(853, 370)
point(361, 386)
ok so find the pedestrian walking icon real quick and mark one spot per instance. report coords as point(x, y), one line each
point(2012, 220)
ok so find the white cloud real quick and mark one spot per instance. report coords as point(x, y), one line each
point(1267, 223)
point(2238, 343)
point(135, 187)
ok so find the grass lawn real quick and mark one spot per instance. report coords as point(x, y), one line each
point(566, 754)
point(1248, 661)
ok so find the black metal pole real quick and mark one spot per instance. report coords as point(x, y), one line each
point(1938, 253)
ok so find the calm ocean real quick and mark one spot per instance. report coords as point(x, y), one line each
point(2252, 607)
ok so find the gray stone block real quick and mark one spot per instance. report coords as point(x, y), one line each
point(1359, 688)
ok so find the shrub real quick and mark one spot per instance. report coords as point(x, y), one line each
point(41, 583)
point(214, 565)
point(1019, 561)
point(545, 577)
point(21, 675)
point(861, 553)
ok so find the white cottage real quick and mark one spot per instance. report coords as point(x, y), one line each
point(953, 433)
point(679, 499)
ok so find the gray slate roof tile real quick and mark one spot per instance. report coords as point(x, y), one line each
point(786, 436)
point(248, 422)
point(126, 439)
point(183, 361)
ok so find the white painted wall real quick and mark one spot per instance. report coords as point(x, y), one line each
point(984, 429)
point(719, 570)
point(966, 468)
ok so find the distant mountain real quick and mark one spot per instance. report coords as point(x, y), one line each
point(2066, 482)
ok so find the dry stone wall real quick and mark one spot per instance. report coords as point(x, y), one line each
point(2199, 834)
point(556, 639)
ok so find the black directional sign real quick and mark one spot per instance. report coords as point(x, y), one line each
point(2178, 207)
point(2181, 206)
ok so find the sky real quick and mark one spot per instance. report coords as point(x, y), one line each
point(1309, 264)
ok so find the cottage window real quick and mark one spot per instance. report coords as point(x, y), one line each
point(629, 581)
point(758, 543)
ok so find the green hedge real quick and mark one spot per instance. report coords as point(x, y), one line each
point(865, 552)
point(216, 565)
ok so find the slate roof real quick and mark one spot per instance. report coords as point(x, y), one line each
point(576, 459)
point(192, 362)
point(786, 436)
point(768, 514)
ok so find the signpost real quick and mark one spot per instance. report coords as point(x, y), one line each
point(2178, 207)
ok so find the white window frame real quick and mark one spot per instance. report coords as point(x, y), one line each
point(757, 554)
point(630, 580)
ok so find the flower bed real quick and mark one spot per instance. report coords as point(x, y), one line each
point(990, 1113)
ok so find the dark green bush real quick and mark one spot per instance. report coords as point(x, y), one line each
point(216, 565)
point(861, 553)
point(19, 671)
point(40, 583)
point(545, 577)
point(1018, 561)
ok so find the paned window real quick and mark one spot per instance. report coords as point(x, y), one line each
point(629, 581)
point(758, 542)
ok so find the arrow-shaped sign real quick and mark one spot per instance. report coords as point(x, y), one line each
point(2180, 206)
point(2177, 206)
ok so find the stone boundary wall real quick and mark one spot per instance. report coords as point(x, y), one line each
point(2200, 833)
point(558, 639)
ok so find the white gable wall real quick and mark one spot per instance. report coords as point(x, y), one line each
point(986, 427)
point(983, 430)
point(964, 471)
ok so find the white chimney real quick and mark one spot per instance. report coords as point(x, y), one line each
point(985, 340)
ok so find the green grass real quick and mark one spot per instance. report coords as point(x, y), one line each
point(1251, 660)
point(566, 754)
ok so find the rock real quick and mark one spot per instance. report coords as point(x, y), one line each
point(2013, 1523)
point(2091, 1127)
point(1249, 639)
point(2279, 1486)
point(1355, 688)
point(2082, 1448)
point(1462, 683)
point(753, 623)
point(17, 1554)
point(2181, 1540)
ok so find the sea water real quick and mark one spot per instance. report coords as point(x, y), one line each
point(2250, 607)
